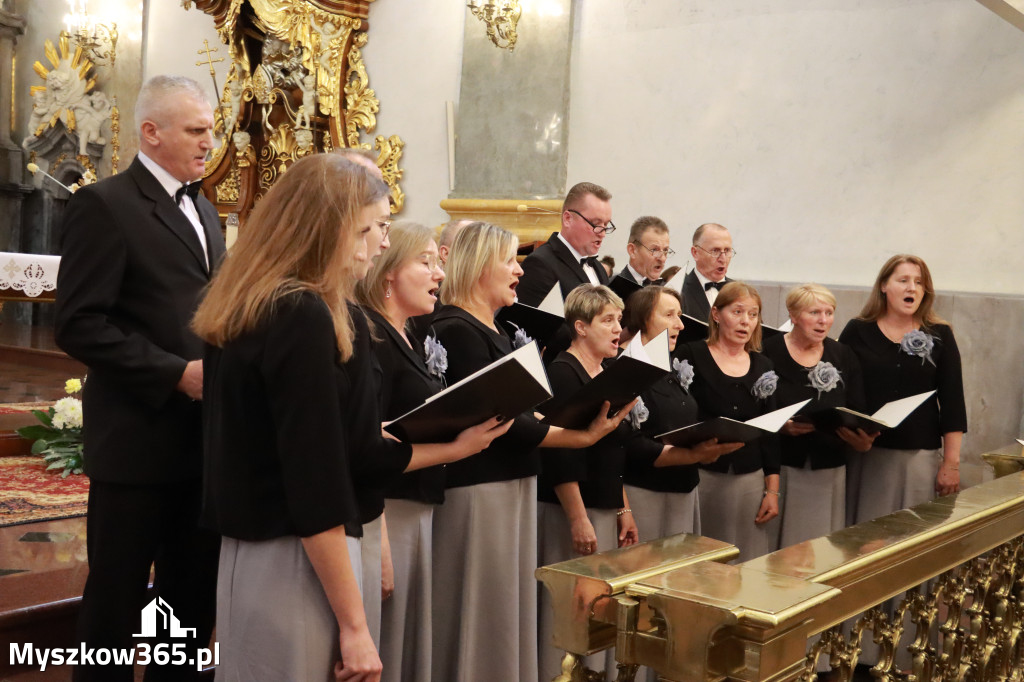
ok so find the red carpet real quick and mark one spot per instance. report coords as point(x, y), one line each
point(29, 493)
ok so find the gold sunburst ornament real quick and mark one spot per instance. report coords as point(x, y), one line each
point(67, 83)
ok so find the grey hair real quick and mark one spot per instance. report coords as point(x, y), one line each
point(154, 93)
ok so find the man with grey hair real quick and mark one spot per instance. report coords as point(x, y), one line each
point(137, 251)
point(712, 253)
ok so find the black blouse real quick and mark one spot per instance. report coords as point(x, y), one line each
point(721, 395)
point(669, 407)
point(891, 374)
point(825, 449)
point(406, 385)
point(471, 346)
point(377, 462)
point(599, 468)
point(277, 455)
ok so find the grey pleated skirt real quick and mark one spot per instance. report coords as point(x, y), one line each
point(881, 481)
point(484, 594)
point(813, 503)
point(273, 618)
point(728, 507)
point(405, 618)
point(659, 515)
point(555, 542)
point(371, 572)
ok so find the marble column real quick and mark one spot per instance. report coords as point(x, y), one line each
point(513, 112)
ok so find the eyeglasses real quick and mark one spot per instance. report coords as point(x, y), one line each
point(385, 227)
point(598, 229)
point(657, 251)
point(718, 253)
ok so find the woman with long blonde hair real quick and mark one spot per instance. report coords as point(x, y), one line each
point(277, 481)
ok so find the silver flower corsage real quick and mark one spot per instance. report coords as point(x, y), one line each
point(683, 373)
point(521, 338)
point(919, 344)
point(765, 385)
point(436, 357)
point(638, 415)
point(824, 377)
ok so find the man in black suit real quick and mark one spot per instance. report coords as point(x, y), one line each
point(712, 252)
point(648, 251)
point(137, 249)
point(569, 257)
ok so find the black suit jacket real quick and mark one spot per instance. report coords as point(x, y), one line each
point(549, 263)
point(131, 275)
point(695, 301)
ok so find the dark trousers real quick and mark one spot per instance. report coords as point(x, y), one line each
point(132, 528)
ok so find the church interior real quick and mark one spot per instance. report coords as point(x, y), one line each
point(827, 135)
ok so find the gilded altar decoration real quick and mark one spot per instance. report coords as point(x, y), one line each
point(297, 85)
point(500, 18)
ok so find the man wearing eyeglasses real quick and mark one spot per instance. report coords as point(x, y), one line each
point(648, 250)
point(569, 257)
point(712, 253)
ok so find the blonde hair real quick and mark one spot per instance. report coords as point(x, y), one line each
point(586, 302)
point(729, 294)
point(804, 296)
point(299, 237)
point(877, 305)
point(477, 247)
point(408, 240)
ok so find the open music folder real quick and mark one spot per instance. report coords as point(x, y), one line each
point(888, 416)
point(731, 430)
point(633, 372)
point(506, 387)
point(539, 323)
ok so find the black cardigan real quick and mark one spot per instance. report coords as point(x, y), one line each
point(718, 394)
point(406, 384)
point(824, 448)
point(891, 374)
point(471, 346)
point(277, 455)
point(669, 407)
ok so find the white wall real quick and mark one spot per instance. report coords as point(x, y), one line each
point(827, 134)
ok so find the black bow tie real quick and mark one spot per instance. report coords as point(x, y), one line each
point(656, 282)
point(714, 285)
point(189, 188)
point(591, 261)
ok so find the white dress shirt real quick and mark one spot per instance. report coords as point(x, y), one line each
point(711, 293)
point(171, 185)
point(587, 268)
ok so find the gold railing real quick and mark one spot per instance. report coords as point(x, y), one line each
point(956, 565)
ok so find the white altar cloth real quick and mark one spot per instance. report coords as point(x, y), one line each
point(28, 272)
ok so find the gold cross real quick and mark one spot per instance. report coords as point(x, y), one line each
point(209, 60)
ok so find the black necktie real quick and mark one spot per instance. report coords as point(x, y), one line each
point(189, 188)
point(714, 285)
point(656, 282)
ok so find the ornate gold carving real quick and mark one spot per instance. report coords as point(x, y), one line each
point(115, 137)
point(500, 19)
point(361, 103)
point(389, 152)
point(227, 190)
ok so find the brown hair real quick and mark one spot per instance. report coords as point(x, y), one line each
point(644, 223)
point(586, 302)
point(729, 294)
point(877, 306)
point(641, 304)
point(582, 189)
point(292, 242)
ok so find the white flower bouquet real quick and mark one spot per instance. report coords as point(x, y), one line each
point(58, 436)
